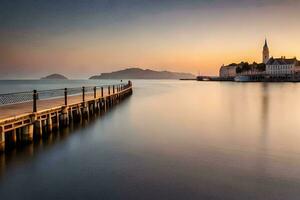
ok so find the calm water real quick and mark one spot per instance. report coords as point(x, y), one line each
point(170, 140)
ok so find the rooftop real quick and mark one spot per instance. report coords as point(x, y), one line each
point(283, 61)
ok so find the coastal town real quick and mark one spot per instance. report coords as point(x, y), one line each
point(269, 70)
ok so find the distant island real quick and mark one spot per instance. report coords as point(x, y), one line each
point(138, 73)
point(55, 77)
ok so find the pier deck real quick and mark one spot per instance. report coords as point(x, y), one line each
point(8, 111)
point(28, 115)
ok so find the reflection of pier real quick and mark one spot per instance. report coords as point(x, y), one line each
point(27, 115)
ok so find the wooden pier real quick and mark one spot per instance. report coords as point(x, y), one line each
point(25, 116)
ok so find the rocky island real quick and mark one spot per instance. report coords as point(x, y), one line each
point(54, 77)
point(138, 73)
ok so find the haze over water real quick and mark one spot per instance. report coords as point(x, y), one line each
point(171, 140)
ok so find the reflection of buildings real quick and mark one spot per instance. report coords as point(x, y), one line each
point(270, 68)
point(264, 109)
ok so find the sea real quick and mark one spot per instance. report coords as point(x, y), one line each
point(170, 140)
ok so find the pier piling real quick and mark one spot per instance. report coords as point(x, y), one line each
point(49, 123)
point(27, 133)
point(2, 139)
point(39, 128)
point(13, 137)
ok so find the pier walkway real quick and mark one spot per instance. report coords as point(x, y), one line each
point(13, 110)
point(26, 115)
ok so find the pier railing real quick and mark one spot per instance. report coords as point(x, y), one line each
point(60, 95)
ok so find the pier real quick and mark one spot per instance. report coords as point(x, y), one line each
point(212, 78)
point(25, 116)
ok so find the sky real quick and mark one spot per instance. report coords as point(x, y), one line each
point(81, 38)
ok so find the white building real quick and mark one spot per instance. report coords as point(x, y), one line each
point(279, 66)
point(228, 71)
point(282, 66)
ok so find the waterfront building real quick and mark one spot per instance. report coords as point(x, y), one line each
point(228, 71)
point(243, 68)
point(282, 66)
point(251, 69)
point(277, 68)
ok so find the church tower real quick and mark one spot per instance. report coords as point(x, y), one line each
point(266, 53)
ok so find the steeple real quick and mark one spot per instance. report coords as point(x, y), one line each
point(266, 53)
point(266, 43)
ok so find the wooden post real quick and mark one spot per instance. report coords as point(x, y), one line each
point(66, 96)
point(113, 89)
point(98, 106)
point(86, 111)
point(35, 96)
point(13, 138)
point(38, 128)
point(44, 125)
point(27, 133)
point(106, 103)
point(83, 93)
point(19, 134)
point(130, 85)
point(109, 97)
point(2, 139)
point(57, 120)
point(101, 91)
point(64, 116)
point(95, 92)
point(71, 117)
point(91, 108)
point(78, 114)
point(49, 123)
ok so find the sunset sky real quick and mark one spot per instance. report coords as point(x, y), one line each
point(80, 38)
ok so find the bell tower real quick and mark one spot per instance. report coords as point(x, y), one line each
point(266, 53)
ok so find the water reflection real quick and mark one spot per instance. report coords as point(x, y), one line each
point(264, 111)
point(20, 153)
point(171, 140)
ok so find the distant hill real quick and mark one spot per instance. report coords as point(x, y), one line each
point(137, 73)
point(55, 76)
